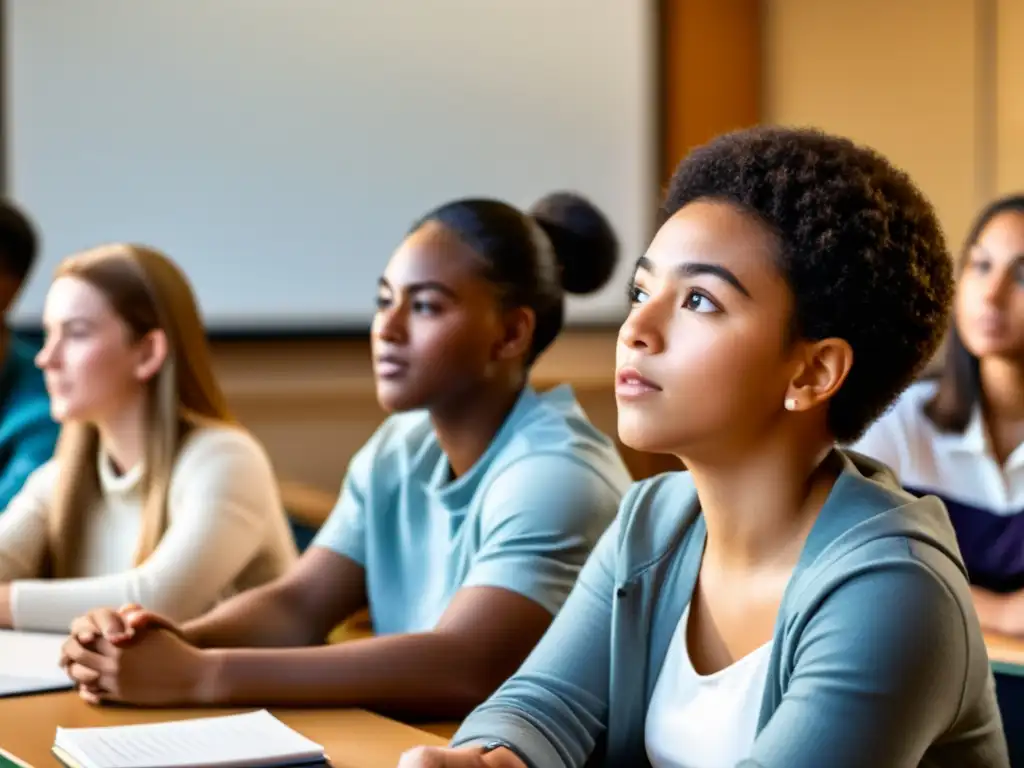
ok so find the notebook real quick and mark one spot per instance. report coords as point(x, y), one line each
point(256, 739)
point(29, 663)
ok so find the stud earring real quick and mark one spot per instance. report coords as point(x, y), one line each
point(790, 403)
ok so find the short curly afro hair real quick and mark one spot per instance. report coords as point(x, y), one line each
point(859, 245)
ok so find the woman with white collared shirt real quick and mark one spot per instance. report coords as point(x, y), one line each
point(961, 437)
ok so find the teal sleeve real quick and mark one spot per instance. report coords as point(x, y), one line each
point(554, 709)
point(30, 443)
point(344, 531)
point(541, 518)
point(878, 675)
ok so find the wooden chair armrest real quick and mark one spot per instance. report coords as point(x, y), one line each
point(310, 506)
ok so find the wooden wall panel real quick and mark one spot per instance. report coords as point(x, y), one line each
point(711, 72)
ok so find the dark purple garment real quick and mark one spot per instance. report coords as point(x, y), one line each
point(991, 545)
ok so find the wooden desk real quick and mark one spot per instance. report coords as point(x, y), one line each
point(353, 738)
point(1006, 654)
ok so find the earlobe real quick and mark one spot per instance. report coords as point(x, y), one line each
point(154, 350)
point(826, 366)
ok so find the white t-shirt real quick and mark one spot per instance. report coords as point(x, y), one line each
point(226, 532)
point(704, 721)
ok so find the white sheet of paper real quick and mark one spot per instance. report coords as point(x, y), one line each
point(29, 663)
point(251, 739)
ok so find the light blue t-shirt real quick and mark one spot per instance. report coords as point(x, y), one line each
point(524, 518)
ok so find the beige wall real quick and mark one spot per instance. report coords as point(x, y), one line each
point(1010, 97)
point(930, 83)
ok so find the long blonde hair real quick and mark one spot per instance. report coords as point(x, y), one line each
point(148, 292)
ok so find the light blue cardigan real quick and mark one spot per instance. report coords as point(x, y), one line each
point(878, 659)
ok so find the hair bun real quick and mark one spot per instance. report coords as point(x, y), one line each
point(583, 239)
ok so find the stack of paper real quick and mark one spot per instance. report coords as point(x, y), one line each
point(29, 663)
point(255, 739)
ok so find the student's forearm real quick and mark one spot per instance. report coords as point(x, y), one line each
point(433, 674)
point(266, 617)
point(1002, 613)
point(301, 608)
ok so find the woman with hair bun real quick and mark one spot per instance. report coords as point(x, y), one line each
point(462, 524)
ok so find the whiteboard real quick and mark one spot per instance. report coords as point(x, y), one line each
point(279, 149)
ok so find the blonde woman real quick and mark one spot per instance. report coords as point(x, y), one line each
point(154, 495)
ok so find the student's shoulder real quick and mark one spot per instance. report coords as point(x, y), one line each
point(873, 532)
point(399, 438)
point(43, 480)
point(655, 515)
point(887, 596)
point(555, 417)
point(553, 427)
point(212, 449)
point(39, 488)
point(872, 589)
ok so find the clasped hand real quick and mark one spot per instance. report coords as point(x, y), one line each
point(132, 655)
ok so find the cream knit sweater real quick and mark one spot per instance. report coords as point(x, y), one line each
point(226, 532)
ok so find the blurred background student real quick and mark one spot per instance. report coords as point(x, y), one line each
point(27, 433)
point(960, 435)
point(155, 495)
